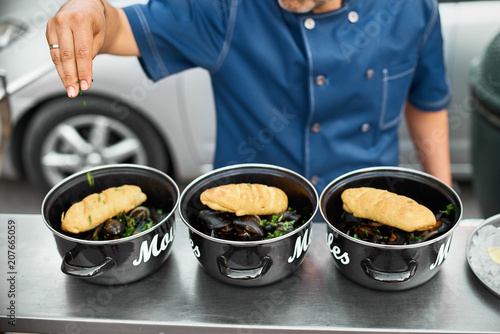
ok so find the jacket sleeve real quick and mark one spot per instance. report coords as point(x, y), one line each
point(429, 90)
point(174, 35)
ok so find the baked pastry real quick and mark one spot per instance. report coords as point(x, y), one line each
point(388, 208)
point(246, 199)
point(94, 209)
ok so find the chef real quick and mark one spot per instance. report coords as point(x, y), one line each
point(317, 86)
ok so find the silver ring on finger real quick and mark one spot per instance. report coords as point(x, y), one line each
point(54, 46)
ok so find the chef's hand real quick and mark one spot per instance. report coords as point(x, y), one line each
point(78, 32)
point(75, 36)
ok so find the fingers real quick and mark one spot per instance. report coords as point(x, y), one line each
point(73, 29)
point(52, 39)
point(64, 60)
point(84, 54)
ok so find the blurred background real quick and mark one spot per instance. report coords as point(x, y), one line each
point(169, 125)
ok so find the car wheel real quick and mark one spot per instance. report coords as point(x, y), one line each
point(66, 136)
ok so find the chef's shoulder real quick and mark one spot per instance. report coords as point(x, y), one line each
point(188, 10)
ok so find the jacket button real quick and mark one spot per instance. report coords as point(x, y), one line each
point(316, 128)
point(314, 179)
point(369, 73)
point(309, 23)
point(320, 80)
point(353, 17)
point(365, 127)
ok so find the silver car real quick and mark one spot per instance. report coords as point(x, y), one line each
point(169, 125)
point(125, 117)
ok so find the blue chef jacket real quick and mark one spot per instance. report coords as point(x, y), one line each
point(321, 94)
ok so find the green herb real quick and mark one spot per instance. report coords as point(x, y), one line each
point(287, 225)
point(275, 234)
point(449, 209)
point(129, 226)
point(81, 92)
point(159, 211)
point(274, 220)
point(147, 226)
point(129, 230)
point(90, 179)
point(265, 222)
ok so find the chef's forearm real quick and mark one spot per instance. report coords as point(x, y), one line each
point(430, 134)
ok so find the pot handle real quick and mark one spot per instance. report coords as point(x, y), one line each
point(390, 277)
point(85, 272)
point(244, 274)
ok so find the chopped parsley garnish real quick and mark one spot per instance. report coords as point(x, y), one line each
point(90, 179)
point(147, 226)
point(281, 225)
point(449, 209)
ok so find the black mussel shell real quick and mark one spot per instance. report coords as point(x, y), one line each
point(112, 229)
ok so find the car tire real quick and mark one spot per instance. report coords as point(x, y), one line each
point(69, 135)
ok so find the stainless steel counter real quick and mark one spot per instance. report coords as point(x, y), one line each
point(180, 297)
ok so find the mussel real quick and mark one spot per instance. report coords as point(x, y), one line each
point(368, 232)
point(125, 224)
point(396, 237)
point(282, 223)
point(442, 225)
point(112, 229)
point(140, 213)
point(248, 228)
point(375, 232)
point(214, 220)
point(140, 219)
point(226, 225)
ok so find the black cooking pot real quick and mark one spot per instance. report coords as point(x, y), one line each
point(250, 263)
point(389, 267)
point(113, 261)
